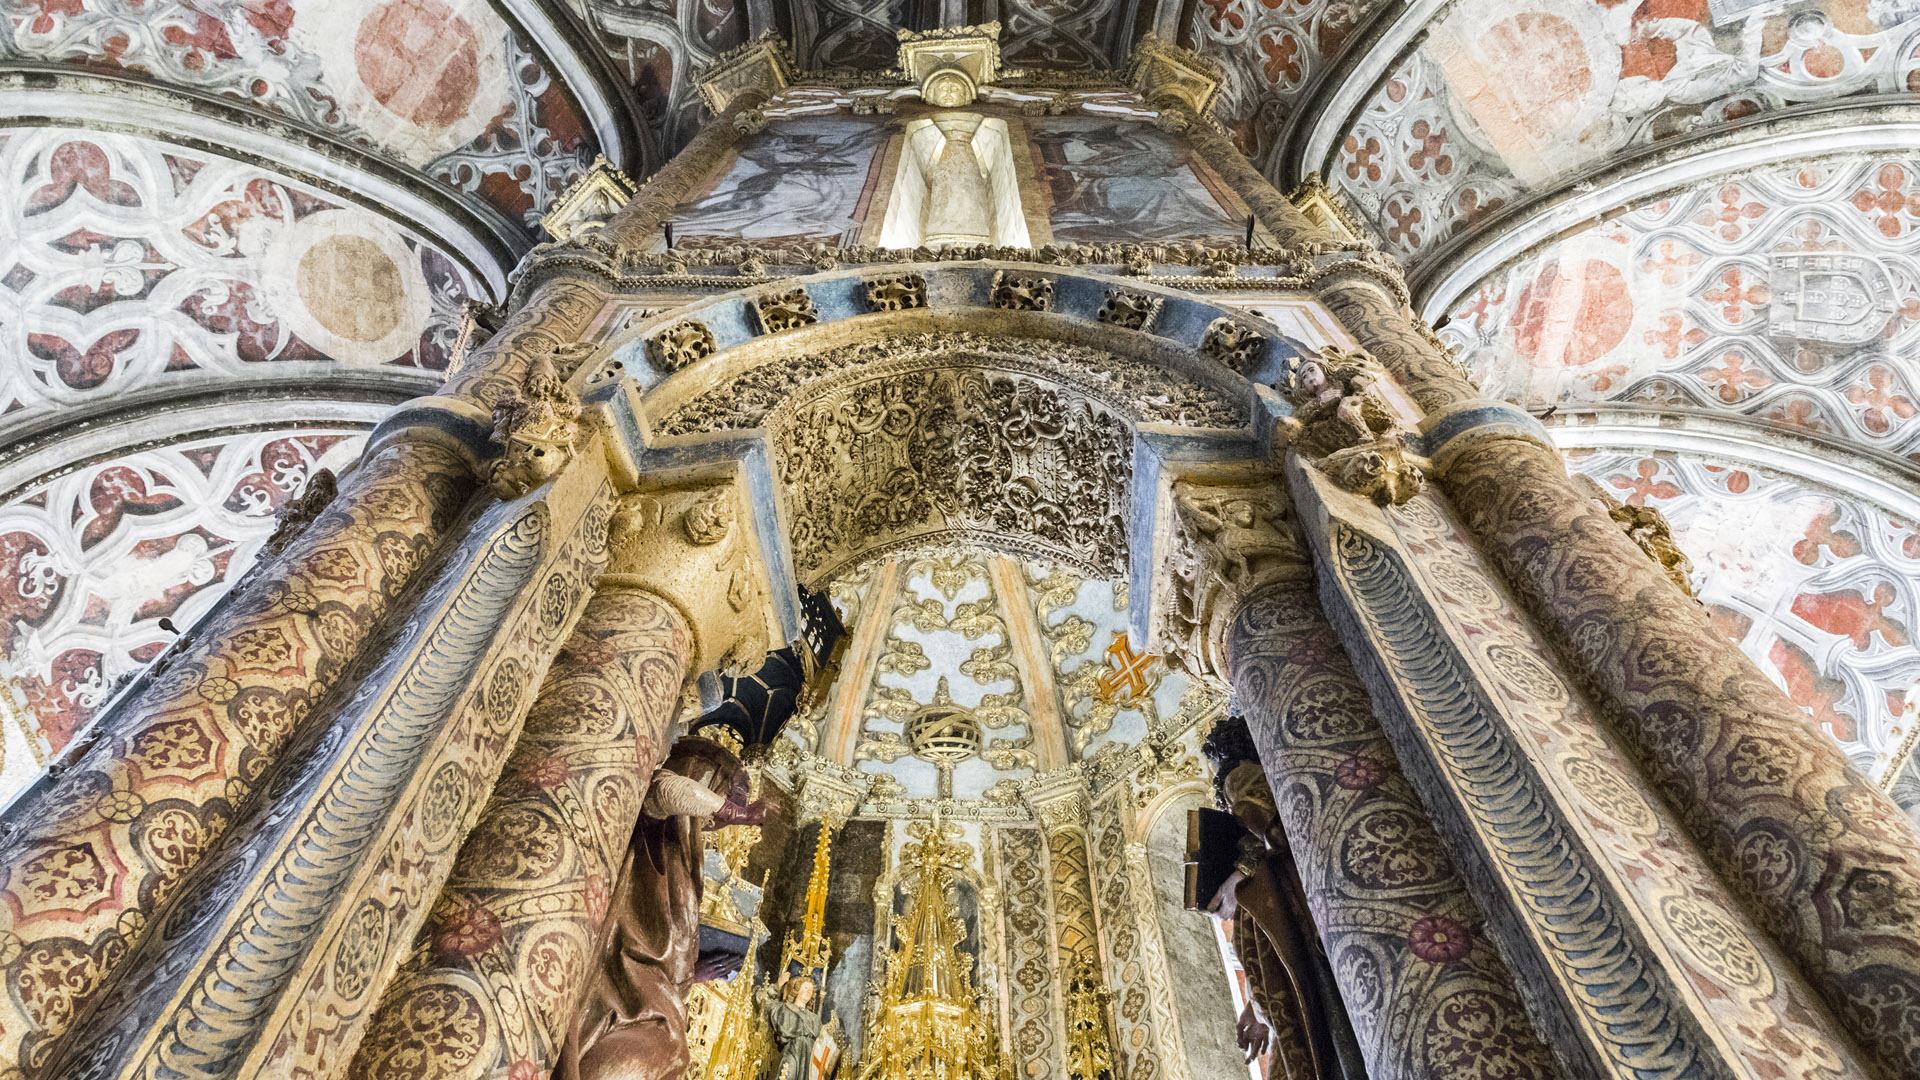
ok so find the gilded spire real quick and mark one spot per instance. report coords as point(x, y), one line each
point(810, 949)
point(930, 1025)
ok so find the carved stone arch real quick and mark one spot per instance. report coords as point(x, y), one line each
point(988, 404)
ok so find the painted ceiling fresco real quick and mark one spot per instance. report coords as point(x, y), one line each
point(446, 87)
point(1035, 654)
point(126, 263)
point(1822, 590)
point(1272, 51)
point(657, 46)
point(1508, 97)
point(91, 562)
point(1787, 295)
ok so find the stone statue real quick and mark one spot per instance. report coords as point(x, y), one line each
point(632, 1019)
point(796, 1027)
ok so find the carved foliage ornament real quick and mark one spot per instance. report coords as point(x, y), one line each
point(684, 343)
point(1129, 309)
point(1232, 345)
point(790, 310)
point(899, 459)
point(537, 427)
point(1341, 420)
point(1022, 292)
point(897, 292)
point(1227, 543)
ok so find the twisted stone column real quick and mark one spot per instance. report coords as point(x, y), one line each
point(1825, 859)
point(496, 971)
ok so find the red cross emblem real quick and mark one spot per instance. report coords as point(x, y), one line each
point(1126, 675)
point(824, 1051)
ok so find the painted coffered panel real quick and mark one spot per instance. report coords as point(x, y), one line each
point(1787, 296)
point(91, 561)
point(1272, 51)
point(1505, 98)
point(444, 86)
point(127, 266)
point(1820, 588)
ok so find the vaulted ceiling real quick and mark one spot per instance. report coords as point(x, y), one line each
point(233, 232)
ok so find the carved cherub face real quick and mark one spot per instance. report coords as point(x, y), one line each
point(1238, 512)
point(1310, 378)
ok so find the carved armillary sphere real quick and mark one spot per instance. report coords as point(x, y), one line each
point(943, 732)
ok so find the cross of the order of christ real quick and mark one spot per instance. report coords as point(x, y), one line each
point(1126, 675)
point(825, 1050)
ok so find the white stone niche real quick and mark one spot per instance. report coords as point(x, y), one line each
point(955, 186)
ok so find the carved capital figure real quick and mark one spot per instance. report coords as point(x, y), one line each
point(537, 427)
point(1342, 421)
point(1229, 542)
point(689, 546)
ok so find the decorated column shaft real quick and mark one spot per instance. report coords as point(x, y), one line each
point(1827, 860)
point(496, 972)
point(1426, 991)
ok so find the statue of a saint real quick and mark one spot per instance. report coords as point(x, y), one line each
point(632, 1019)
point(796, 1027)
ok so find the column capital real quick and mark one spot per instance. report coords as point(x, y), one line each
point(1175, 80)
point(690, 546)
point(750, 74)
point(1229, 540)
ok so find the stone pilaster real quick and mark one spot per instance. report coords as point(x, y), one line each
point(494, 974)
point(1425, 990)
point(92, 852)
point(1824, 858)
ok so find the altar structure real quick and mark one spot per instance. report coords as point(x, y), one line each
point(1124, 639)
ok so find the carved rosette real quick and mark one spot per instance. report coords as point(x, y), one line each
point(1233, 345)
point(781, 312)
point(1228, 542)
point(1129, 309)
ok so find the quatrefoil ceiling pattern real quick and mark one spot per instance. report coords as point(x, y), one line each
point(1687, 227)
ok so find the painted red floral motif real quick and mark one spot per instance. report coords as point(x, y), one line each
point(1853, 615)
point(1889, 201)
point(1816, 692)
point(1672, 334)
point(1281, 56)
point(80, 165)
point(1731, 217)
point(1881, 405)
point(1226, 14)
point(1736, 380)
point(469, 931)
point(1643, 485)
point(1737, 296)
point(1361, 157)
point(1439, 940)
point(1822, 533)
point(1670, 261)
point(1428, 142)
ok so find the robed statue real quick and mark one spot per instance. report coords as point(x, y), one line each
point(631, 1023)
point(788, 1007)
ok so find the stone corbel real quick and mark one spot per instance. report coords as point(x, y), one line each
point(692, 547)
point(1180, 83)
point(1345, 423)
point(758, 70)
point(536, 429)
